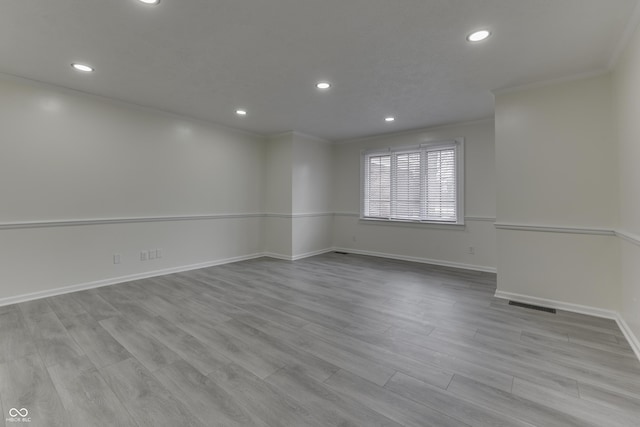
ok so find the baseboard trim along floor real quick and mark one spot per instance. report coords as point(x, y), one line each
point(121, 279)
point(418, 260)
point(577, 308)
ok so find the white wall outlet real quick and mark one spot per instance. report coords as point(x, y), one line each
point(116, 258)
point(353, 238)
point(144, 255)
point(152, 254)
point(471, 250)
point(158, 253)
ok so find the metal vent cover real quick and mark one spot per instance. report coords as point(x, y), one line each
point(533, 307)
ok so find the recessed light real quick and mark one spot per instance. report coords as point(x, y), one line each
point(389, 119)
point(323, 85)
point(241, 112)
point(150, 1)
point(82, 67)
point(478, 36)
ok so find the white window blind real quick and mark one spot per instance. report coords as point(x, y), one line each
point(421, 183)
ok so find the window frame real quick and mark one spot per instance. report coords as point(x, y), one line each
point(456, 143)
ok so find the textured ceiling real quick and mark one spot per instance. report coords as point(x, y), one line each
point(407, 58)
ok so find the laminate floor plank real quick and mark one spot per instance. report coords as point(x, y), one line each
point(25, 383)
point(347, 359)
point(582, 361)
point(511, 405)
point(622, 347)
point(250, 357)
point(331, 408)
point(146, 399)
point(430, 373)
point(589, 412)
point(65, 306)
point(556, 373)
point(128, 305)
point(88, 399)
point(388, 403)
point(181, 311)
point(204, 358)
point(312, 311)
point(273, 315)
point(449, 403)
point(331, 340)
point(96, 306)
point(146, 349)
point(33, 308)
point(625, 402)
point(626, 362)
point(5, 309)
point(98, 344)
point(539, 370)
point(308, 363)
point(441, 366)
point(261, 400)
point(16, 340)
point(53, 341)
point(213, 405)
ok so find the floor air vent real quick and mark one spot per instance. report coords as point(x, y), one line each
point(533, 307)
point(341, 253)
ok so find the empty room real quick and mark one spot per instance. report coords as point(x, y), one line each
point(320, 213)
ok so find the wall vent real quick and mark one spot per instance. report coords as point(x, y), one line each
point(533, 307)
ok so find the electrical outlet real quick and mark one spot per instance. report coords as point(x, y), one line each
point(144, 255)
point(152, 254)
point(116, 258)
point(158, 253)
point(471, 250)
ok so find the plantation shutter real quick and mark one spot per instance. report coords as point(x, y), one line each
point(378, 186)
point(440, 185)
point(406, 185)
point(413, 183)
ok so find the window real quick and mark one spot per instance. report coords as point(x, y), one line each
point(421, 183)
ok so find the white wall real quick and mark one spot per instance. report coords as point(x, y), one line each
point(278, 196)
point(298, 181)
point(446, 246)
point(627, 107)
point(312, 174)
point(69, 156)
point(556, 167)
point(311, 189)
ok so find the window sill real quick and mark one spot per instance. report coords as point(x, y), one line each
point(416, 224)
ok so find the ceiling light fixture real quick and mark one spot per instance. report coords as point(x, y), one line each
point(389, 119)
point(82, 67)
point(478, 36)
point(241, 112)
point(152, 2)
point(323, 85)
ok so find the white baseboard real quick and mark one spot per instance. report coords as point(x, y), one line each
point(278, 256)
point(121, 279)
point(632, 339)
point(577, 308)
point(310, 254)
point(298, 256)
point(560, 305)
point(419, 260)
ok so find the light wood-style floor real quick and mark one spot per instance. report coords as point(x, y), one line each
point(333, 340)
